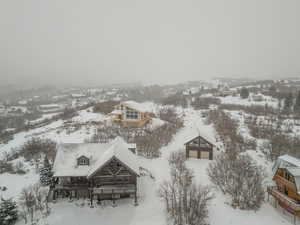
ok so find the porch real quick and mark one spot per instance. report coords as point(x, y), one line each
point(284, 201)
point(113, 192)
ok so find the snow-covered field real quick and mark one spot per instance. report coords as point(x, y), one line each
point(248, 101)
point(150, 210)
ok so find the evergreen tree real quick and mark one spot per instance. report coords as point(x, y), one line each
point(8, 212)
point(273, 89)
point(46, 173)
point(244, 93)
point(288, 103)
point(297, 104)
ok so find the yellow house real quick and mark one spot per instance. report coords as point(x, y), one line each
point(131, 113)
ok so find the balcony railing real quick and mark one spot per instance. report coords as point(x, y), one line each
point(71, 186)
point(113, 189)
point(286, 202)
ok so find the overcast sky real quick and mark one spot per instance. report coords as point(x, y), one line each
point(153, 41)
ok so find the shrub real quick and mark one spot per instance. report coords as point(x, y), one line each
point(175, 100)
point(238, 176)
point(185, 202)
point(36, 147)
point(149, 142)
point(6, 167)
point(105, 107)
point(8, 212)
point(19, 168)
point(244, 93)
point(205, 102)
point(33, 203)
point(68, 113)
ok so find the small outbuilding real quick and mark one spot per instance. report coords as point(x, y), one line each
point(200, 148)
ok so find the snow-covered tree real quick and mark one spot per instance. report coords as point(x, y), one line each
point(288, 103)
point(185, 202)
point(297, 104)
point(46, 173)
point(8, 212)
point(244, 93)
point(238, 176)
point(33, 204)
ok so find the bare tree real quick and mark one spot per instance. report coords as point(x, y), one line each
point(239, 176)
point(186, 202)
point(34, 203)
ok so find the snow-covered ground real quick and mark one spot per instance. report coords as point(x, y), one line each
point(150, 209)
point(236, 100)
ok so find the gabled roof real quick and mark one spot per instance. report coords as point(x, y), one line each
point(82, 156)
point(196, 134)
point(65, 164)
point(287, 159)
point(292, 165)
point(118, 149)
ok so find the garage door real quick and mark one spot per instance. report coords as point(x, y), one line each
point(204, 155)
point(193, 154)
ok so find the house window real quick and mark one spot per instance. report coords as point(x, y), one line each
point(130, 114)
point(83, 161)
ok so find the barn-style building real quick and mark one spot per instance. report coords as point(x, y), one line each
point(199, 148)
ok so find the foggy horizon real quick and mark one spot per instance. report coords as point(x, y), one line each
point(152, 42)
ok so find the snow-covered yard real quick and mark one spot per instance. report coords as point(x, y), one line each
point(150, 209)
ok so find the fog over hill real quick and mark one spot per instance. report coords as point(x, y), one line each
point(159, 41)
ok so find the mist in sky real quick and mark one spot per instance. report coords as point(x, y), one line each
point(152, 41)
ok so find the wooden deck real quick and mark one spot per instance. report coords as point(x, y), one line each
point(115, 189)
point(284, 201)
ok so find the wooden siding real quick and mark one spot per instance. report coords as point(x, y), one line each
point(199, 148)
point(284, 185)
point(143, 117)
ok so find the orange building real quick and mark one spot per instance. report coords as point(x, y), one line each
point(131, 113)
point(286, 191)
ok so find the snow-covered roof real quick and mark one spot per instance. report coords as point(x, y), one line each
point(290, 160)
point(196, 133)
point(135, 105)
point(116, 111)
point(295, 171)
point(65, 164)
point(118, 149)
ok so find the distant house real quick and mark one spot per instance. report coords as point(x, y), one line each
point(102, 171)
point(50, 108)
point(131, 113)
point(2, 109)
point(257, 97)
point(199, 148)
point(286, 175)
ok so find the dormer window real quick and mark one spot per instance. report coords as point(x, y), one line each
point(83, 161)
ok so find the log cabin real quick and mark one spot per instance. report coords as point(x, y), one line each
point(286, 177)
point(199, 148)
point(101, 171)
point(131, 114)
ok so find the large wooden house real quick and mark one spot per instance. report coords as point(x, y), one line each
point(131, 113)
point(286, 191)
point(96, 171)
point(200, 148)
